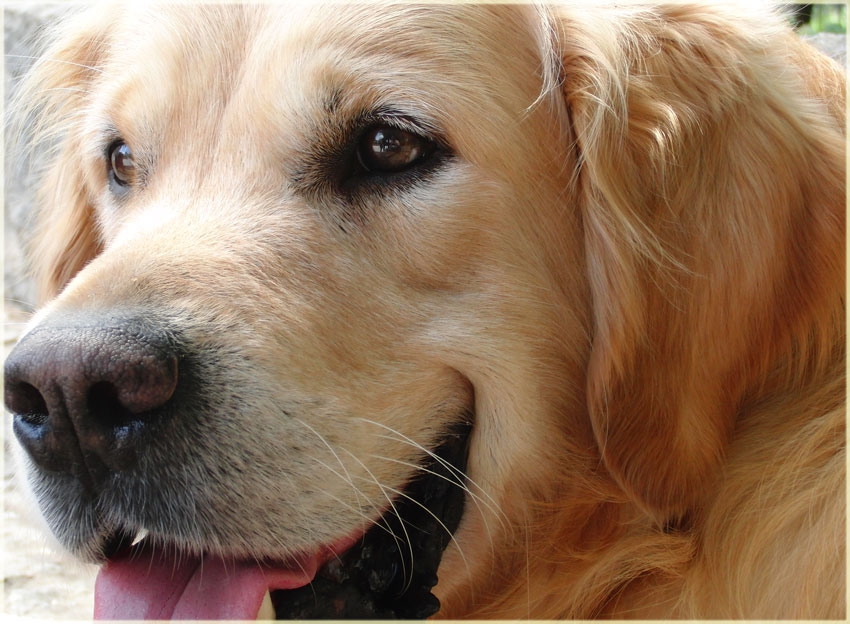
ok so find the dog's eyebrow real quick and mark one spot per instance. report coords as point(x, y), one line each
point(107, 133)
point(332, 101)
point(358, 117)
point(406, 122)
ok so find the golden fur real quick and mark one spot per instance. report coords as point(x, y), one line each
point(632, 271)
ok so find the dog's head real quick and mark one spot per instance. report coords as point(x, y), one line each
point(295, 248)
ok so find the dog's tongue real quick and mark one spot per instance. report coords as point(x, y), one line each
point(145, 584)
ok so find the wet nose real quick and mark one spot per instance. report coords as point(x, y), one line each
point(83, 396)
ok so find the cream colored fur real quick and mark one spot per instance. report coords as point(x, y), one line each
point(632, 273)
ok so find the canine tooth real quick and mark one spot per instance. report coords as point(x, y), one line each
point(266, 609)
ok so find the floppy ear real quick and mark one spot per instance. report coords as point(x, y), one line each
point(47, 109)
point(66, 239)
point(713, 195)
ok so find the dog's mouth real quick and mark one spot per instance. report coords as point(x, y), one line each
point(386, 573)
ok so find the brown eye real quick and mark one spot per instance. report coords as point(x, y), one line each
point(385, 149)
point(122, 166)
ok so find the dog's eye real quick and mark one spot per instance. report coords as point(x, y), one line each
point(122, 168)
point(385, 149)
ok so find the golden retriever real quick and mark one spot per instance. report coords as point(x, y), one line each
point(332, 289)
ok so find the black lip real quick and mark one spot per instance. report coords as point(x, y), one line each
point(389, 574)
point(117, 542)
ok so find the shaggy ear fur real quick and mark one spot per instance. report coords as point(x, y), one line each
point(50, 103)
point(67, 238)
point(713, 207)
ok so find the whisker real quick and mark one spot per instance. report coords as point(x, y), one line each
point(69, 89)
point(357, 492)
point(29, 307)
point(45, 59)
point(499, 515)
point(454, 470)
point(440, 522)
point(370, 521)
point(409, 579)
point(437, 458)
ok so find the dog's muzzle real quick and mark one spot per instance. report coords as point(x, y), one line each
point(92, 399)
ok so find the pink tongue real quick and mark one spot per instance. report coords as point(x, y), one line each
point(145, 584)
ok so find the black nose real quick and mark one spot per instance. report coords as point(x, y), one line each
point(83, 395)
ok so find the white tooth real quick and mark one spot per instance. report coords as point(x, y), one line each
point(266, 608)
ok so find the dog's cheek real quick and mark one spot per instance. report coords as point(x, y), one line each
point(437, 235)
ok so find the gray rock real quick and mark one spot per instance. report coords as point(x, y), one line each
point(831, 44)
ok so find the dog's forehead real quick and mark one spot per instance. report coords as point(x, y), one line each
point(208, 39)
point(291, 58)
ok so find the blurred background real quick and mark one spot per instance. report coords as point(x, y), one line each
point(810, 19)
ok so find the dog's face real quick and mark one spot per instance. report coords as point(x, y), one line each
point(334, 220)
point(314, 263)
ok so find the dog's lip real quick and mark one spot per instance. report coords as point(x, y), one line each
point(390, 572)
point(154, 579)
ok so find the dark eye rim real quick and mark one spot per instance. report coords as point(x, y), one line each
point(356, 177)
point(119, 186)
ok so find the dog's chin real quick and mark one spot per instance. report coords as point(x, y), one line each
point(387, 571)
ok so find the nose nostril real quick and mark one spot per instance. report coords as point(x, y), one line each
point(27, 402)
point(105, 406)
point(87, 397)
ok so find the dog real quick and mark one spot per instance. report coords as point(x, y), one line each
point(466, 311)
